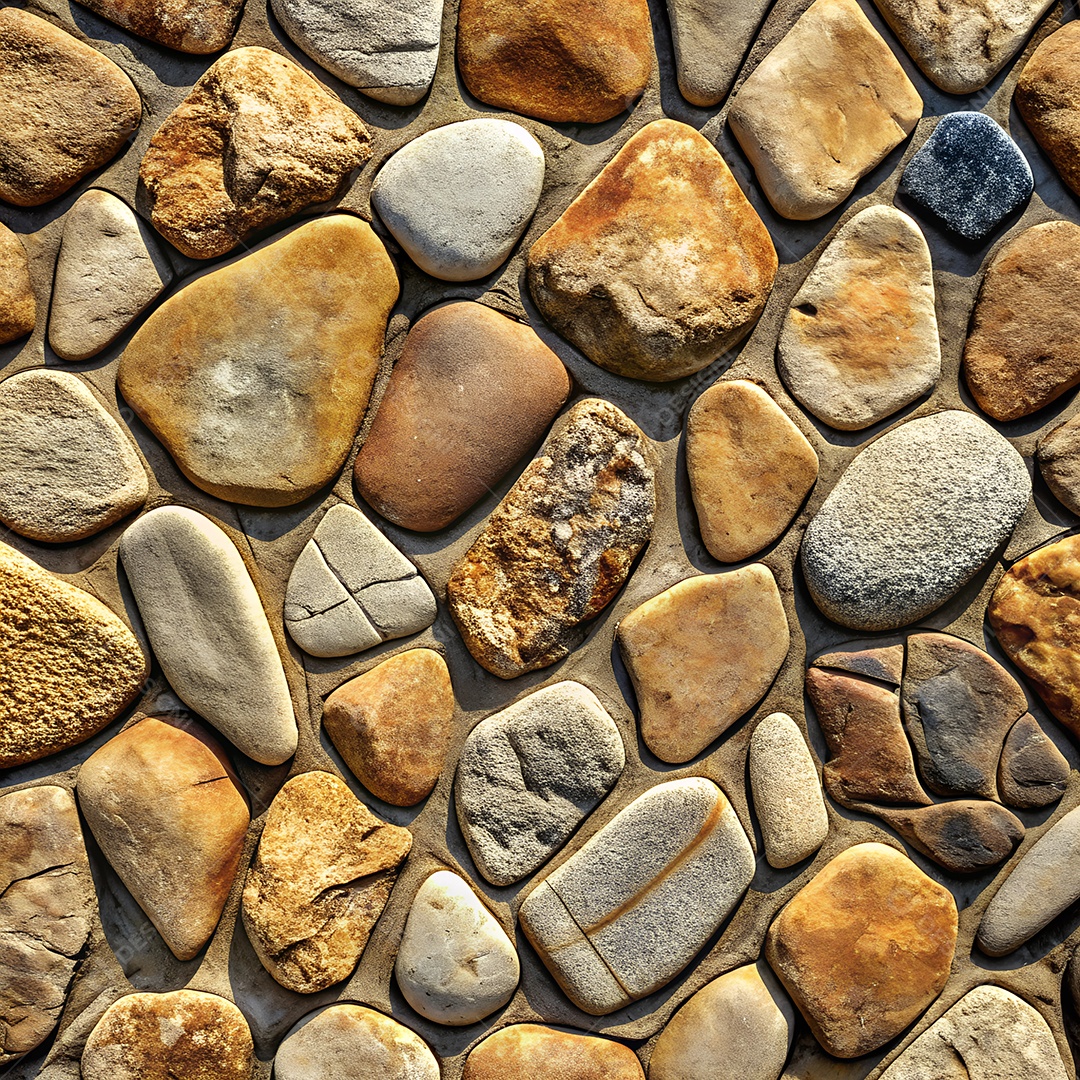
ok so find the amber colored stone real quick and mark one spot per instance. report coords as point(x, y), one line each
point(190, 26)
point(18, 308)
point(528, 1051)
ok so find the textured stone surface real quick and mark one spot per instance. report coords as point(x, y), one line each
point(559, 546)
point(190, 26)
point(18, 308)
point(256, 141)
point(208, 629)
point(701, 654)
point(1032, 772)
point(530, 774)
point(1059, 463)
point(655, 288)
point(525, 1051)
point(256, 376)
point(883, 663)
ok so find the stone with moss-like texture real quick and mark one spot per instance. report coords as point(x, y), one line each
point(18, 308)
point(526, 1051)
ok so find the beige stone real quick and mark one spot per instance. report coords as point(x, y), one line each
point(18, 308)
point(528, 1051)
point(190, 26)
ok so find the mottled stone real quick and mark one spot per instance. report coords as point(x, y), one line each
point(472, 392)
point(526, 1051)
point(190, 26)
point(256, 375)
point(559, 546)
point(18, 308)
point(1059, 463)
point(256, 141)
point(320, 880)
point(701, 654)
point(883, 663)
point(1032, 772)
point(656, 288)
point(530, 774)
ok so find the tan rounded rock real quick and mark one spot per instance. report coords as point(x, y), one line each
point(526, 1051)
point(18, 308)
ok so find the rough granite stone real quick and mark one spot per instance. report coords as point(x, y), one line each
point(1059, 462)
point(1032, 772)
point(527, 1051)
point(190, 26)
point(18, 308)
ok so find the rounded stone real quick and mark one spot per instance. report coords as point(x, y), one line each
point(18, 307)
point(190, 26)
point(528, 1051)
point(1059, 462)
point(1033, 772)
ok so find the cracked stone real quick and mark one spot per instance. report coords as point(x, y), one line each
point(18, 307)
point(1033, 772)
point(527, 1051)
point(884, 664)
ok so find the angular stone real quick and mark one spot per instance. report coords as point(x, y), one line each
point(864, 948)
point(526, 1051)
point(170, 815)
point(577, 65)
point(65, 109)
point(109, 271)
point(559, 546)
point(884, 664)
point(320, 880)
point(189, 26)
point(529, 775)
point(750, 469)
point(67, 468)
point(455, 964)
point(351, 588)
point(860, 339)
point(47, 907)
point(68, 665)
point(472, 392)
point(701, 654)
point(459, 197)
point(635, 905)
point(18, 308)
point(256, 141)
point(1033, 772)
point(913, 520)
point(208, 630)
point(256, 376)
point(654, 288)
point(823, 109)
point(1059, 463)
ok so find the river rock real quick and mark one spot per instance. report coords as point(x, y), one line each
point(864, 948)
point(632, 907)
point(1033, 772)
point(860, 339)
point(256, 141)
point(190, 26)
point(559, 546)
point(523, 1051)
point(208, 630)
point(256, 375)
point(455, 964)
point(320, 880)
point(823, 109)
point(472, 392)
point(654, 288)
point(529, 775)
point(913, 520)
point(170, 815)
point(1059, 463)
point(66, 109)
point(18, 308)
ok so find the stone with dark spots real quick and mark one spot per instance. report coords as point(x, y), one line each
point(885, 664)
point(1032, 772)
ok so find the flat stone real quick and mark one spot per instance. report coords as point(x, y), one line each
point(392, 725)
point(256, 141)
point(349, 1042)
point(67, 468)
point(351, 588)
point(170, 815)
point(882, 663)
point(320, 880)
point(596, 59)
point(969, 176)
point(459, 197)
point(701, 654)
point(1023, 348)
point(630, 909)
point(256, 376)
point(990, 1034)
point(652, 288)
point(860, 339)
point(530, 774)
point(750, 469)
point(110, 269)
point(1033, 772)
point(65, 109)
point(526, 1051)
point(189, 26)
point(455, 964)
point(472, 392)
point(823, 109)
point(18, 308)
point(208, 630)
point(183, 1034)
point(47, 909)
point(1059, 462)
point(68, 665)
point(738, 1027)
point(864, 948)
point(559, 546)
point(912, 520)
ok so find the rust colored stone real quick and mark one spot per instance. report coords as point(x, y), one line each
point(1033, 772)
point(528, 1051)
point(18, 308)
point(190, 26)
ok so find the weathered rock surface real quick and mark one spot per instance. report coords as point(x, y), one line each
point(1032, 772)
point(530, 774)
point(67, 468)
point(637, 902)
point(256, 376)
point(256, 141)
point(320, 880)
point(1059, 463)
point(208, 629)
point(701, 654)
point(822, 109)
point(654, 288)
point(455, 964)
point(559, 546)
point(190, 26)
point(522, 1051)
point(883, 663)
point(18, 308)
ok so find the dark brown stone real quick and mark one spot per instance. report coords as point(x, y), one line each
point(1033, 772)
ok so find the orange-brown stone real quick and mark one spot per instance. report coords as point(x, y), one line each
point(528, 1051)
point(18, 308)
point(190, 26)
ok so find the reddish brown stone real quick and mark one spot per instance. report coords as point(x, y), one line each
point(190, 26)
point(528, 1051)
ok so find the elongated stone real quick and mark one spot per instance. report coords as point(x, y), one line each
point(884, 664)
point(18, 307)
point(526, 1051)
point(1059, 463)
point(190, 26)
